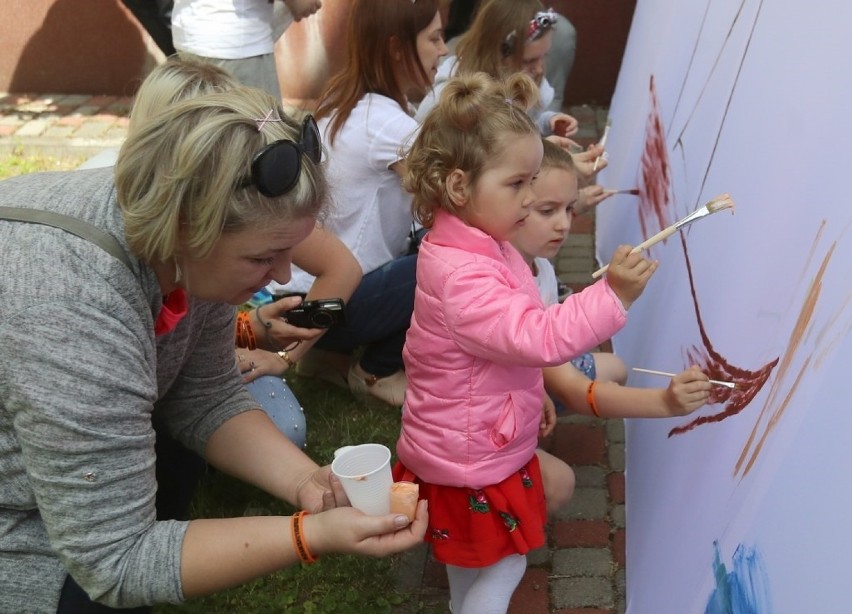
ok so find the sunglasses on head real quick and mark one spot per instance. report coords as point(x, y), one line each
point(275, 168)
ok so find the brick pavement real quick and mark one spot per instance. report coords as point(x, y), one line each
point(581, 570)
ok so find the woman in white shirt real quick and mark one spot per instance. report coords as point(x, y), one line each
point(364, 114)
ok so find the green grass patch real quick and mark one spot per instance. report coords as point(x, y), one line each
point(337, 583)
point(22, 161)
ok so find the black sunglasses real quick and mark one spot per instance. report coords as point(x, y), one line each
point(275, 168)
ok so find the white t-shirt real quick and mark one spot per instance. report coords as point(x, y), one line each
point(223, 29)
point(370, 211)
point(546, 281)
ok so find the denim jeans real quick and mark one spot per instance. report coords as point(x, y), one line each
point(377, 317)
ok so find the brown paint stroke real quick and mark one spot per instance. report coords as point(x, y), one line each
point(711, 362)
point(803, 323)
point(655, 181)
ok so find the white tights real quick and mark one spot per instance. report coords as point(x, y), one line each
point(485, 590)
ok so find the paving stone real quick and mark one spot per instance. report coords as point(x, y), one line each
point(615, 428)
point(92, 129)
point(619, 543)
point(580, 534)
point(590, 476)
point(616, 456)
point(35, 127)
point(582, 562)
point(581, 592)
point(539, 557)
point(587, 503)
point(579, 444)
point(531, 596)
point(618, 516)
point(615, 487)
point(59, 132)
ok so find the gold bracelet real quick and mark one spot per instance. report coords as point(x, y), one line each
point(286, 358)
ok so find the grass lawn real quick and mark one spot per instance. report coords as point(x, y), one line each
point(337, 583)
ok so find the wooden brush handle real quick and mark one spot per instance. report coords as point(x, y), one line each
point(663, 234)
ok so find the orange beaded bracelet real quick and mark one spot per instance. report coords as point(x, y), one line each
point(590, 399)
point(299, 541)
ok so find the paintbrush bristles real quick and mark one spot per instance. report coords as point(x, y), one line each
point(721, 203)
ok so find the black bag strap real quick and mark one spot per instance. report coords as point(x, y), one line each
point(75, 226)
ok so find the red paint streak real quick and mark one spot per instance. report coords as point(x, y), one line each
point(655, 182)
point(749, 383)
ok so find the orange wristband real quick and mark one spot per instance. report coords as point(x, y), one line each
point(590, 399)
point(299, 541)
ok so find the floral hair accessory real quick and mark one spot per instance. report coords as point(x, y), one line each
point(541, 23)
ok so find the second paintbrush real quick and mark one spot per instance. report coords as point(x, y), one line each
point(731, 385)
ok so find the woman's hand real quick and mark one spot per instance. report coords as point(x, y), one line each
point(350, 531)
point(271, 329)
point(254, 363)
point(687, 392)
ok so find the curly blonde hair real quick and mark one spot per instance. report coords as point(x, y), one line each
point(181, 175)
point(467, 128)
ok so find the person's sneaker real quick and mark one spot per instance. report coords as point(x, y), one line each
point(389, 389)
point(331, 367)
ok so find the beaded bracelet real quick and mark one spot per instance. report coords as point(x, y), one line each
point(590, 399)
point(299, 541)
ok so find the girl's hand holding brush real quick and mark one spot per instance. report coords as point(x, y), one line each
point(687, 391)
point(628, 274)
point(585, 163)
point(590, 197)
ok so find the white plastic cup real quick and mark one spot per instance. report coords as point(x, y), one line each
point(365, 474)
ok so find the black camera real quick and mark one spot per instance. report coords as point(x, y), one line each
point(321, 313)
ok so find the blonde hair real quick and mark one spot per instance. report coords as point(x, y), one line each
point(498, 33)
point(182, 176)
point(177, 79)
point(556, 157)
point(464, 130)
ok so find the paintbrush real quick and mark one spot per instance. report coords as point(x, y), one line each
point(731, 385)
point(602, 143)
point(720, 203)
point(631, 191)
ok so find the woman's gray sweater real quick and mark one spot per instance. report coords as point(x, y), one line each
point(81, 373)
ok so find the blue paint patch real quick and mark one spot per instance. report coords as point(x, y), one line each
point(743, 590)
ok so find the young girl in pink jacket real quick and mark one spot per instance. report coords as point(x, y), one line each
point(480, 336)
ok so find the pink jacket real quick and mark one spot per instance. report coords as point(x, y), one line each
point(478, 340)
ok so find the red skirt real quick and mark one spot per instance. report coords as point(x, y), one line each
point(471, 527)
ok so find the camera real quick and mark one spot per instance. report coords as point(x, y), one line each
point(321, 313)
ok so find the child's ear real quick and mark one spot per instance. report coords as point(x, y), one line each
point(458, 187)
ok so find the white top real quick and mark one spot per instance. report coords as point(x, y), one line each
point(545, 279)
point(223, 29)
point(370, 210)
point(447, 70)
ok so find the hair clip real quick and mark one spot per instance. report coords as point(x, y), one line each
point(541, 23)
point(268, 119)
